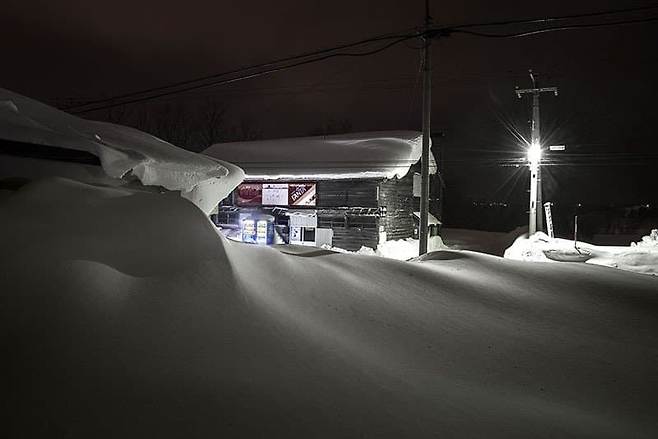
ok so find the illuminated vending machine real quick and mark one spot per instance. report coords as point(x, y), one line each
point(248, 230)
point(258, 229)
point(261, 231)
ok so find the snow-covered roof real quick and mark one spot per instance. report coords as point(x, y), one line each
point(380, 154)
point(121, 150)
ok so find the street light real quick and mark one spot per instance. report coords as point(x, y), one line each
point(534, 156)
point(534, 153)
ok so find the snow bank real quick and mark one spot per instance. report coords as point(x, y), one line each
point(118, 321)
point(399, 249)
point(122, 150)
point(382, 154)
point(639, 258)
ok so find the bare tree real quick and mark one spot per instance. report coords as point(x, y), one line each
point(333, 126)
point(212, 123)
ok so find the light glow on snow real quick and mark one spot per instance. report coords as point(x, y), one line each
point(640, 257)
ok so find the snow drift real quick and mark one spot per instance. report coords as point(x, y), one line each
point(639, 258)
point(380, 154)
point(122, 150)
point(121, 322)
point(400, 249)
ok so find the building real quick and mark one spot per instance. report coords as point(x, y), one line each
point(348, 190)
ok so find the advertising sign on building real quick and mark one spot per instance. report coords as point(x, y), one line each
point(301, 194)
point(249, 194)
point(275, 194)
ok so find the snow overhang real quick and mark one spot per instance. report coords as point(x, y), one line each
point(121, 150)
point(382, 154)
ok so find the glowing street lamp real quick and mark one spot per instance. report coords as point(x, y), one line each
point(534, 157)
point(534, 153)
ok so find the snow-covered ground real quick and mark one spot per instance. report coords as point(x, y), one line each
point(399, 249)
point(640, 257)
point(125, 314)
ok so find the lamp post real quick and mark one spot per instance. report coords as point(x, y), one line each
point(534, 157)
point(534, 154)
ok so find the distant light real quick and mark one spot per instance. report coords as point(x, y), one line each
point(557, 147)
point(534, 153)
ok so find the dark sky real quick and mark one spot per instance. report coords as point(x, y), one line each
point(54, 50)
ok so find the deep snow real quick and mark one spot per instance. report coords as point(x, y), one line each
point(641, 257)
point(400, 249)
point(123, 151)
point(378, 154)
point(125, 314)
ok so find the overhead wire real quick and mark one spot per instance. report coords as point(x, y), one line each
point(389, 36)
point(241, 78)
point(555, 28)
point(324, 54)
point(555, 18)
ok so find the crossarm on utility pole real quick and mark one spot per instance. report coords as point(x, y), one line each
point(535, 216)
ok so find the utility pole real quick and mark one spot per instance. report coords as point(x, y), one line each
point(535, 222)
point(425, 157)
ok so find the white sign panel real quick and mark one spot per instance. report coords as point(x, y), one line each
point(275, 194)
point(549, 219)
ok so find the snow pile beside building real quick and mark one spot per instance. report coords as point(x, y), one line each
point(639, 258)
point(651, 240)
point(118, 321)
point(382, 154)
point(123, 151)
point(399, 249)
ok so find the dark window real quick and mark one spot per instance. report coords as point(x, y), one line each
point(309, 234)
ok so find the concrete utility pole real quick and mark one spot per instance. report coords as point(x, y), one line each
point(425, 157)
point(535, 222)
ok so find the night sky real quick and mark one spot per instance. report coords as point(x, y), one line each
point(605, 113)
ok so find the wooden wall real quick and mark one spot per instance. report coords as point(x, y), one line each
point(396, 195)
point(347, 193)
point(351, 230)
point(349, 208)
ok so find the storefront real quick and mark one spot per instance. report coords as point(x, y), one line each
point(273, 213)
point(347, 191)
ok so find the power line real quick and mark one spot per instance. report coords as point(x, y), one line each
point(556, 18)
point(556, 28)
point(241, 78)
point(384, 37)
point(189, 85)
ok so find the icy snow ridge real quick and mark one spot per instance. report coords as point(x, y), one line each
point(122, 150)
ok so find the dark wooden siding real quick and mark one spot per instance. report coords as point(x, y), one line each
point(351, 229)
point(348, 207)
point(396, 195)
point(347, 193)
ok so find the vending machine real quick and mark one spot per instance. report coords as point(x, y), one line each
point(248, 230)
point(258, 229)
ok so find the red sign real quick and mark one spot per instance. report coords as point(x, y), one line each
point(249, 194)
